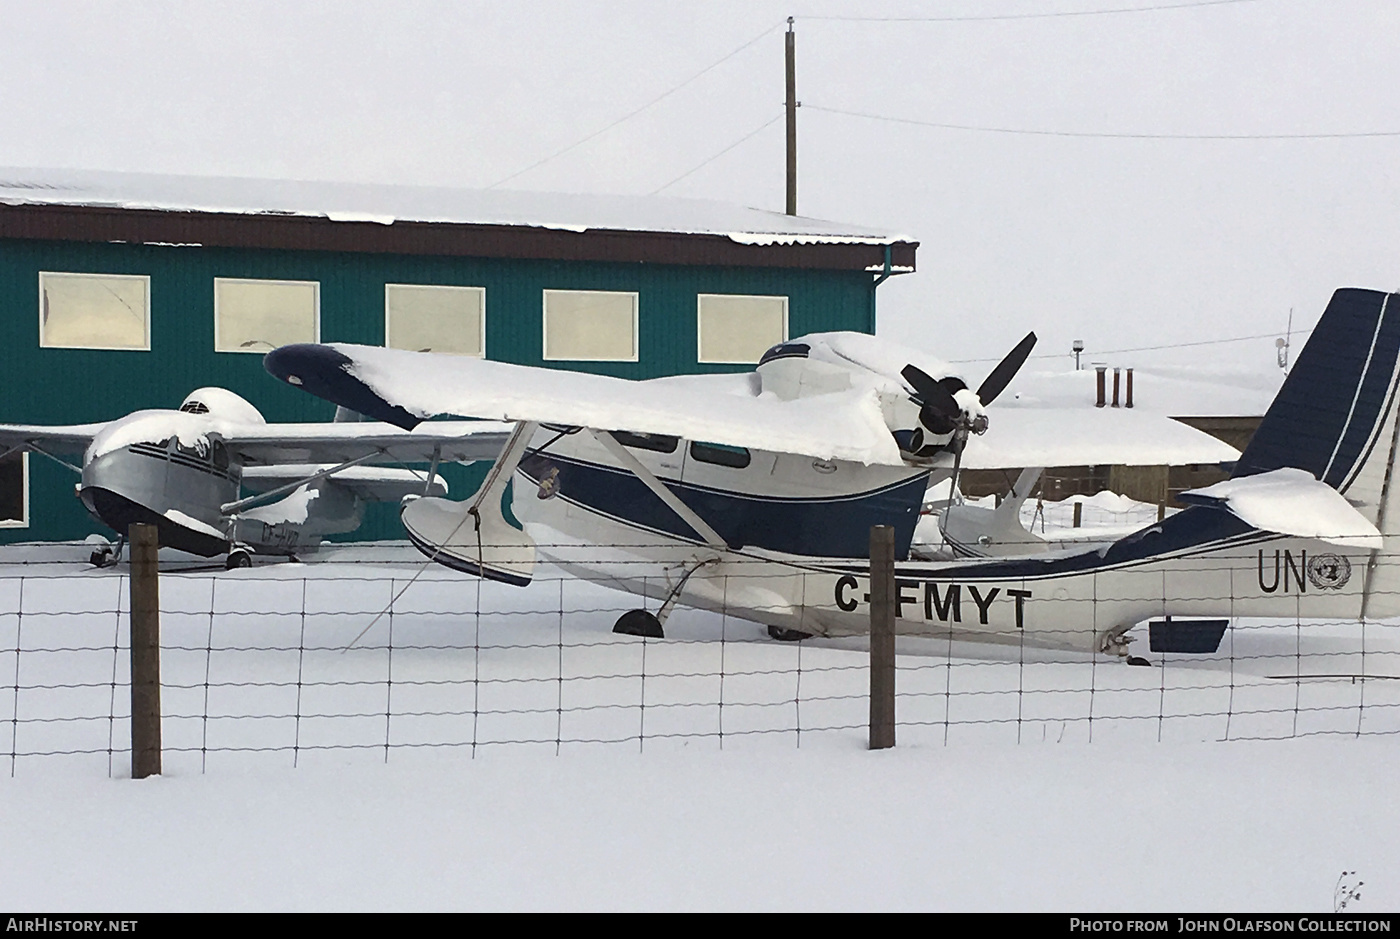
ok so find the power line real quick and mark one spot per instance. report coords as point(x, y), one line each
point(631, 114)
point(1169, 345)
point(766, 124)
point(1095, 135)
point(1028, 16)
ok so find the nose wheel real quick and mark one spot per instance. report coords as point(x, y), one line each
point(238, 558)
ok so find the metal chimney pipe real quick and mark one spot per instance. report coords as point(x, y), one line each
point(1100, 369)
point(1129, 402)
point(1115, 387)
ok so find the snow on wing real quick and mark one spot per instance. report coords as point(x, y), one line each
point(718, 408)
point(1021, 437)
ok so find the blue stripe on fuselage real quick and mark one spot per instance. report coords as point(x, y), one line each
point(1195, 527)
point(829, 527)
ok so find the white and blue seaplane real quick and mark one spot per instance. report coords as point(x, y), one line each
point(755, 493)
point(186, 472)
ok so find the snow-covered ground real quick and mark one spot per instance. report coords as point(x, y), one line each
point(479, 749)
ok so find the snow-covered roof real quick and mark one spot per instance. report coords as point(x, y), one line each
point(1178, 391)
point(360, 202)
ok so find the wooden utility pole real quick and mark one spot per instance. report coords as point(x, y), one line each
point(882, 588)
point(791, 121)
point(145, 651)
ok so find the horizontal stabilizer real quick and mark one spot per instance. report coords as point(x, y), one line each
point(1024, 436)
point(1291, 502)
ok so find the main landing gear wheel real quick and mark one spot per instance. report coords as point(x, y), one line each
point(787, 635)
point(639, 623)
point(104, 553)
point(238, 558)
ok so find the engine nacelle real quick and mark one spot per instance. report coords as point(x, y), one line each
point(222, 404)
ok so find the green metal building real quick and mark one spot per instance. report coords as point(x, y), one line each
point(120, 292)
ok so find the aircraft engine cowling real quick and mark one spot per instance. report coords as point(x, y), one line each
point(223, 404)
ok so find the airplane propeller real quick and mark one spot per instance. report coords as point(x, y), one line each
point(940, 413)
point(997, 380)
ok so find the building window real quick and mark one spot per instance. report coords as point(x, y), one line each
point(590, 326)
point(732, 328)
point(435, 319)
point(260, 315)
point(14, 490)
point(94, 311)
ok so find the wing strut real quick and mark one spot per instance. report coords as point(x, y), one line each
point(649, 480)
point(232, 508)
point(473, 536)
point(432, 470)
point(42, 452)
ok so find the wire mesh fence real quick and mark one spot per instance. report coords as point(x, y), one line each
point(267, 667)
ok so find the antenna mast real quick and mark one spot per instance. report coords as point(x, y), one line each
point(790, 49)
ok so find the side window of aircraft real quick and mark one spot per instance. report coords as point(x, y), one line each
point(657, 442)
point(14, 491)
point(218, 454)
point(719, 454)
point(194, 453)
point(94, 311)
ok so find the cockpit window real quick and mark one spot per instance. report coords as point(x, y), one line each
point(720, 454)
point(660, 443)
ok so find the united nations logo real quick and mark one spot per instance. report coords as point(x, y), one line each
point(1329, 571)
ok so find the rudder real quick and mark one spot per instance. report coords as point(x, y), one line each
point(1335, 414)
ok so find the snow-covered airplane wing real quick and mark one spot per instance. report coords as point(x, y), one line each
point(451, 441)
point(1291, 502)
point(1020, 437)
point(406, 387)
point(70, 439)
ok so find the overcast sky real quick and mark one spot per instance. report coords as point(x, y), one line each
point(1121, 242)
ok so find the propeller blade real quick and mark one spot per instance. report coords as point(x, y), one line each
point(935, 399)
point(996, 382)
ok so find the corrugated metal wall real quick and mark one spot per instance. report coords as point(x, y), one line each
point(62, 386)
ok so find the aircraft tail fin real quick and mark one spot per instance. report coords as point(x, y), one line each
point(1335, 415)
point(1336, 418)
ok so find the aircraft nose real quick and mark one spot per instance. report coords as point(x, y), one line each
point(322, 371)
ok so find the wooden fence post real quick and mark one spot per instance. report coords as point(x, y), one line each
point(882, 589)
point(145, 651)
